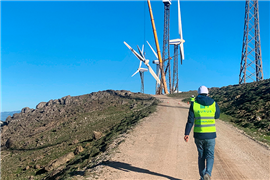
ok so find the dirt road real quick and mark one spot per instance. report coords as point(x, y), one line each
point(155, 150)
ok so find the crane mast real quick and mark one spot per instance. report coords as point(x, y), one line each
point(163, 78)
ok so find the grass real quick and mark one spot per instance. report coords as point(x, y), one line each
point(111, 121)
point(252, 132)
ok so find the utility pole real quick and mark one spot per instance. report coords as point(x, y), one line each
point(251, 59)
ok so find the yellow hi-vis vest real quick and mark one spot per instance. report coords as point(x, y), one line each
point(192, 99)
point(204, 118)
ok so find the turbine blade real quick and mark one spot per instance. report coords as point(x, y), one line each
point(158, 74)
point(136, 72)
point(141, 53)
point(179, 21)
point(143, 49)
point(152, 50)
point(182, 51)
point(140, 64)
point(134, 52)
point(153, 73)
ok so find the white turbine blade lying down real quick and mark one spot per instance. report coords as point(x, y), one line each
point(152, 50)
point(134, 52)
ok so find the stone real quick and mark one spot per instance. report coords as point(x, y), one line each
point(10, 143)
point(49, 103)
point(62, 160)
point(97, 135)
point(41, 105)
point(75, 141)
point(78, 150)
point(26, 110)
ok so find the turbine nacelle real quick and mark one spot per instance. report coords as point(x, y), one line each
point(177, 41)
point(156, 62)
point(143, 69)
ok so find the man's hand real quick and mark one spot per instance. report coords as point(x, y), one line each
point(186, 138)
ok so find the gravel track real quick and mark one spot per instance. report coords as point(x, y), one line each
point(155, 150)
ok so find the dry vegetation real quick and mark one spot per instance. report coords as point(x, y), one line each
point(63, 136)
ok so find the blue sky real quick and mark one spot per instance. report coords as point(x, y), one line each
point(53, 49)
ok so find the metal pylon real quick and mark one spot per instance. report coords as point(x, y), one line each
point(142, 82)
point(251, 60)
point(175, 69)
point(166, 38)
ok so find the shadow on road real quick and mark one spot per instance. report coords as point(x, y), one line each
point(127, 167)
point(174, 106)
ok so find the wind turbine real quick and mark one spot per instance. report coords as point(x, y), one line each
point(141, 70)
point(177, 42)
point(145, 61)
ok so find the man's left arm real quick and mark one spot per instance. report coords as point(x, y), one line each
point(217, 114)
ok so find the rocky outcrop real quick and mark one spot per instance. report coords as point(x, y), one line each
point(41, 105)
point(62, 160)
point(48, 115)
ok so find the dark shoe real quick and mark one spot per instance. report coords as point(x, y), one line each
point(206, 177)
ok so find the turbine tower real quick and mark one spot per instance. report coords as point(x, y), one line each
point(175, 43)
point(251, 60)
point(166, 38)
point(141, 70)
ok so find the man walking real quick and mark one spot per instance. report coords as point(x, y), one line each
point(204, 110)
point(192, 99)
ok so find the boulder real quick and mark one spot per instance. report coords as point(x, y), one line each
point(41, 105)
point(26, 110)
point(10, 143)
point(67, 100)
point(97, 135)
point(49, 103)
point(62, 160)
point(75, 141)
point(78, 150)
point(37, 166)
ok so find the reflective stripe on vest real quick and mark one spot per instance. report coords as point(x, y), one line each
point(204, 118)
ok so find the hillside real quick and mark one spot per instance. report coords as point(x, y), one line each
point(61, 136)
point(247, 105)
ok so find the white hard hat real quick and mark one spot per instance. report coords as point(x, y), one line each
point(202, 90)
point(192, 95)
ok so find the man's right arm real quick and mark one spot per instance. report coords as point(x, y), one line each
point(190, 120)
